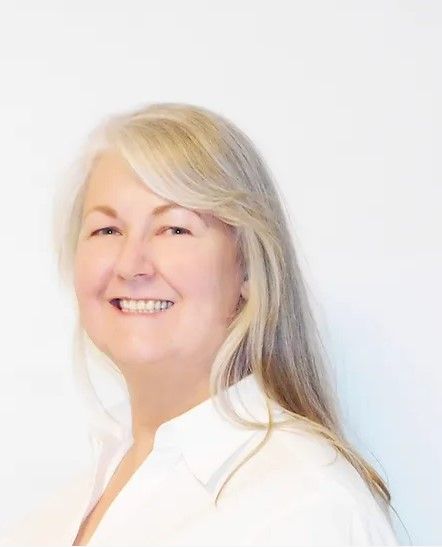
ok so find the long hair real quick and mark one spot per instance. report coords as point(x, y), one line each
point(201, 160)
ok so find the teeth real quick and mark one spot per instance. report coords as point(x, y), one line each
point(144, 306)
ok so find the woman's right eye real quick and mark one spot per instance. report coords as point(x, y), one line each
point(101, 229)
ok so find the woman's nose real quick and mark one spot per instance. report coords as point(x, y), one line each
point(134, 260)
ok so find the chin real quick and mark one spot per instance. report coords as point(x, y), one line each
point(135, 361)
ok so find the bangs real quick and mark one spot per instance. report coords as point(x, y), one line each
point(179, 167)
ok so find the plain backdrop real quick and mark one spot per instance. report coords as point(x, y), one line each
point(343, 99)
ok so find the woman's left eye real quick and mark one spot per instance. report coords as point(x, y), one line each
point(183, 230)
point(101, 229)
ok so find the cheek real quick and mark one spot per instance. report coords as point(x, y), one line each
point(89, 274)
point(209, 278)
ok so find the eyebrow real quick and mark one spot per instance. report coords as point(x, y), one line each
point(110, 211)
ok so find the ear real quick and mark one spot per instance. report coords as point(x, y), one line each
point(245, 289)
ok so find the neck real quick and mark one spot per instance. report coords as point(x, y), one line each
point(156, 398)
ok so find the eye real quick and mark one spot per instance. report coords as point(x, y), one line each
point(183, 230)
point(101, 229)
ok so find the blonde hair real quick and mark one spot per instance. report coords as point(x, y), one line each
point(201, 160)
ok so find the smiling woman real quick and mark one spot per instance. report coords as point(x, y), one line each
point(174, 241)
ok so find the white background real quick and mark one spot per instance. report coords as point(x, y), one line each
point(344, 101)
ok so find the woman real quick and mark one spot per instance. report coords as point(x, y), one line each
point(174, 239)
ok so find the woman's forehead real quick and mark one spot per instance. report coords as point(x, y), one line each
point(113, 185)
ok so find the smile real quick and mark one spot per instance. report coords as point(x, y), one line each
point(136, 307)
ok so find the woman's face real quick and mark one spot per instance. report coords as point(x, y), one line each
point(142, 255)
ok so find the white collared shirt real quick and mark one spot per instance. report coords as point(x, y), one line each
point(296, 490)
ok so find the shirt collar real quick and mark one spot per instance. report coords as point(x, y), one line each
point(207, 439)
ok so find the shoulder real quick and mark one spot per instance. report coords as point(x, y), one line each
point(313, 464)
point(320, 496)
point(324, 519)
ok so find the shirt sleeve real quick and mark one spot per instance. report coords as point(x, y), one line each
point(325, 522)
